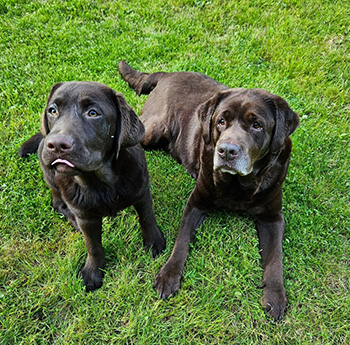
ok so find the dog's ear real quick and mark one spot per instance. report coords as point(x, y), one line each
point(45, 130)
point(206, 110)
point(129, 128)
point(286, 122)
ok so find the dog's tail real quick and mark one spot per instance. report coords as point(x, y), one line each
point(142, 83)
point(31, 145)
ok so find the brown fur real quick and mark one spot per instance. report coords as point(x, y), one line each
point(236, 144)
point(91, 158)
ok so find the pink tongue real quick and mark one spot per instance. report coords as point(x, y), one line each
point(63, 161)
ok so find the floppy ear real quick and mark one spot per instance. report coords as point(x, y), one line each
point(44, 124)
point(286, 122)
point(129, 128)
point(206, 110)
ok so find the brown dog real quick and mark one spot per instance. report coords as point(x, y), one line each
point(90, 156)
point(235, 143)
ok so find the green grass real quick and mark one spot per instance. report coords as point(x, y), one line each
point(297, 49)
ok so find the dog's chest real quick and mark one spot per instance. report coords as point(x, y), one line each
point(87, 199)
point(235, 202)
point(233, 195)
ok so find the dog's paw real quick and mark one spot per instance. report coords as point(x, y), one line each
point(157, 245)
point(167, 282)
point(275, 302)
point(92, 278)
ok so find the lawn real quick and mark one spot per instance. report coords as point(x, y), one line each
point(297, 49)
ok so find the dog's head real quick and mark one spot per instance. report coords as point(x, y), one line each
point(84, 124)
point(244, 125)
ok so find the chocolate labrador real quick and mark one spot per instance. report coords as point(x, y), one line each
point(91, 158)
point(236, 144)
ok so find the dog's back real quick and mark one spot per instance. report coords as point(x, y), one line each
point(169, 113)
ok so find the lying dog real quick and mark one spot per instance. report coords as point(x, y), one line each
point(91, 158)
point(235, 143)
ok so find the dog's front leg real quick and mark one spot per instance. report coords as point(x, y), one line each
point(270, 233)
point(61, 207)
point(92, 273)
point(167, 282)
point(152, 237)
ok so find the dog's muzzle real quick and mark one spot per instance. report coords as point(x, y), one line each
point(230, 157)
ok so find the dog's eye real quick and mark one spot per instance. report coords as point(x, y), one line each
point(53, 111)
point(92, 113)
point(256, 125)
point(221, 122)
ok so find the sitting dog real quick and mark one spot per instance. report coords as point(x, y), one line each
point(236, 144)
point(91, 158)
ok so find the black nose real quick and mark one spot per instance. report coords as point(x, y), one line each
point(228, 150)
point(60, 143)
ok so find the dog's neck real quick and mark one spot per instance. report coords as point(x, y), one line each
point(107, 173)
point(104, 174)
